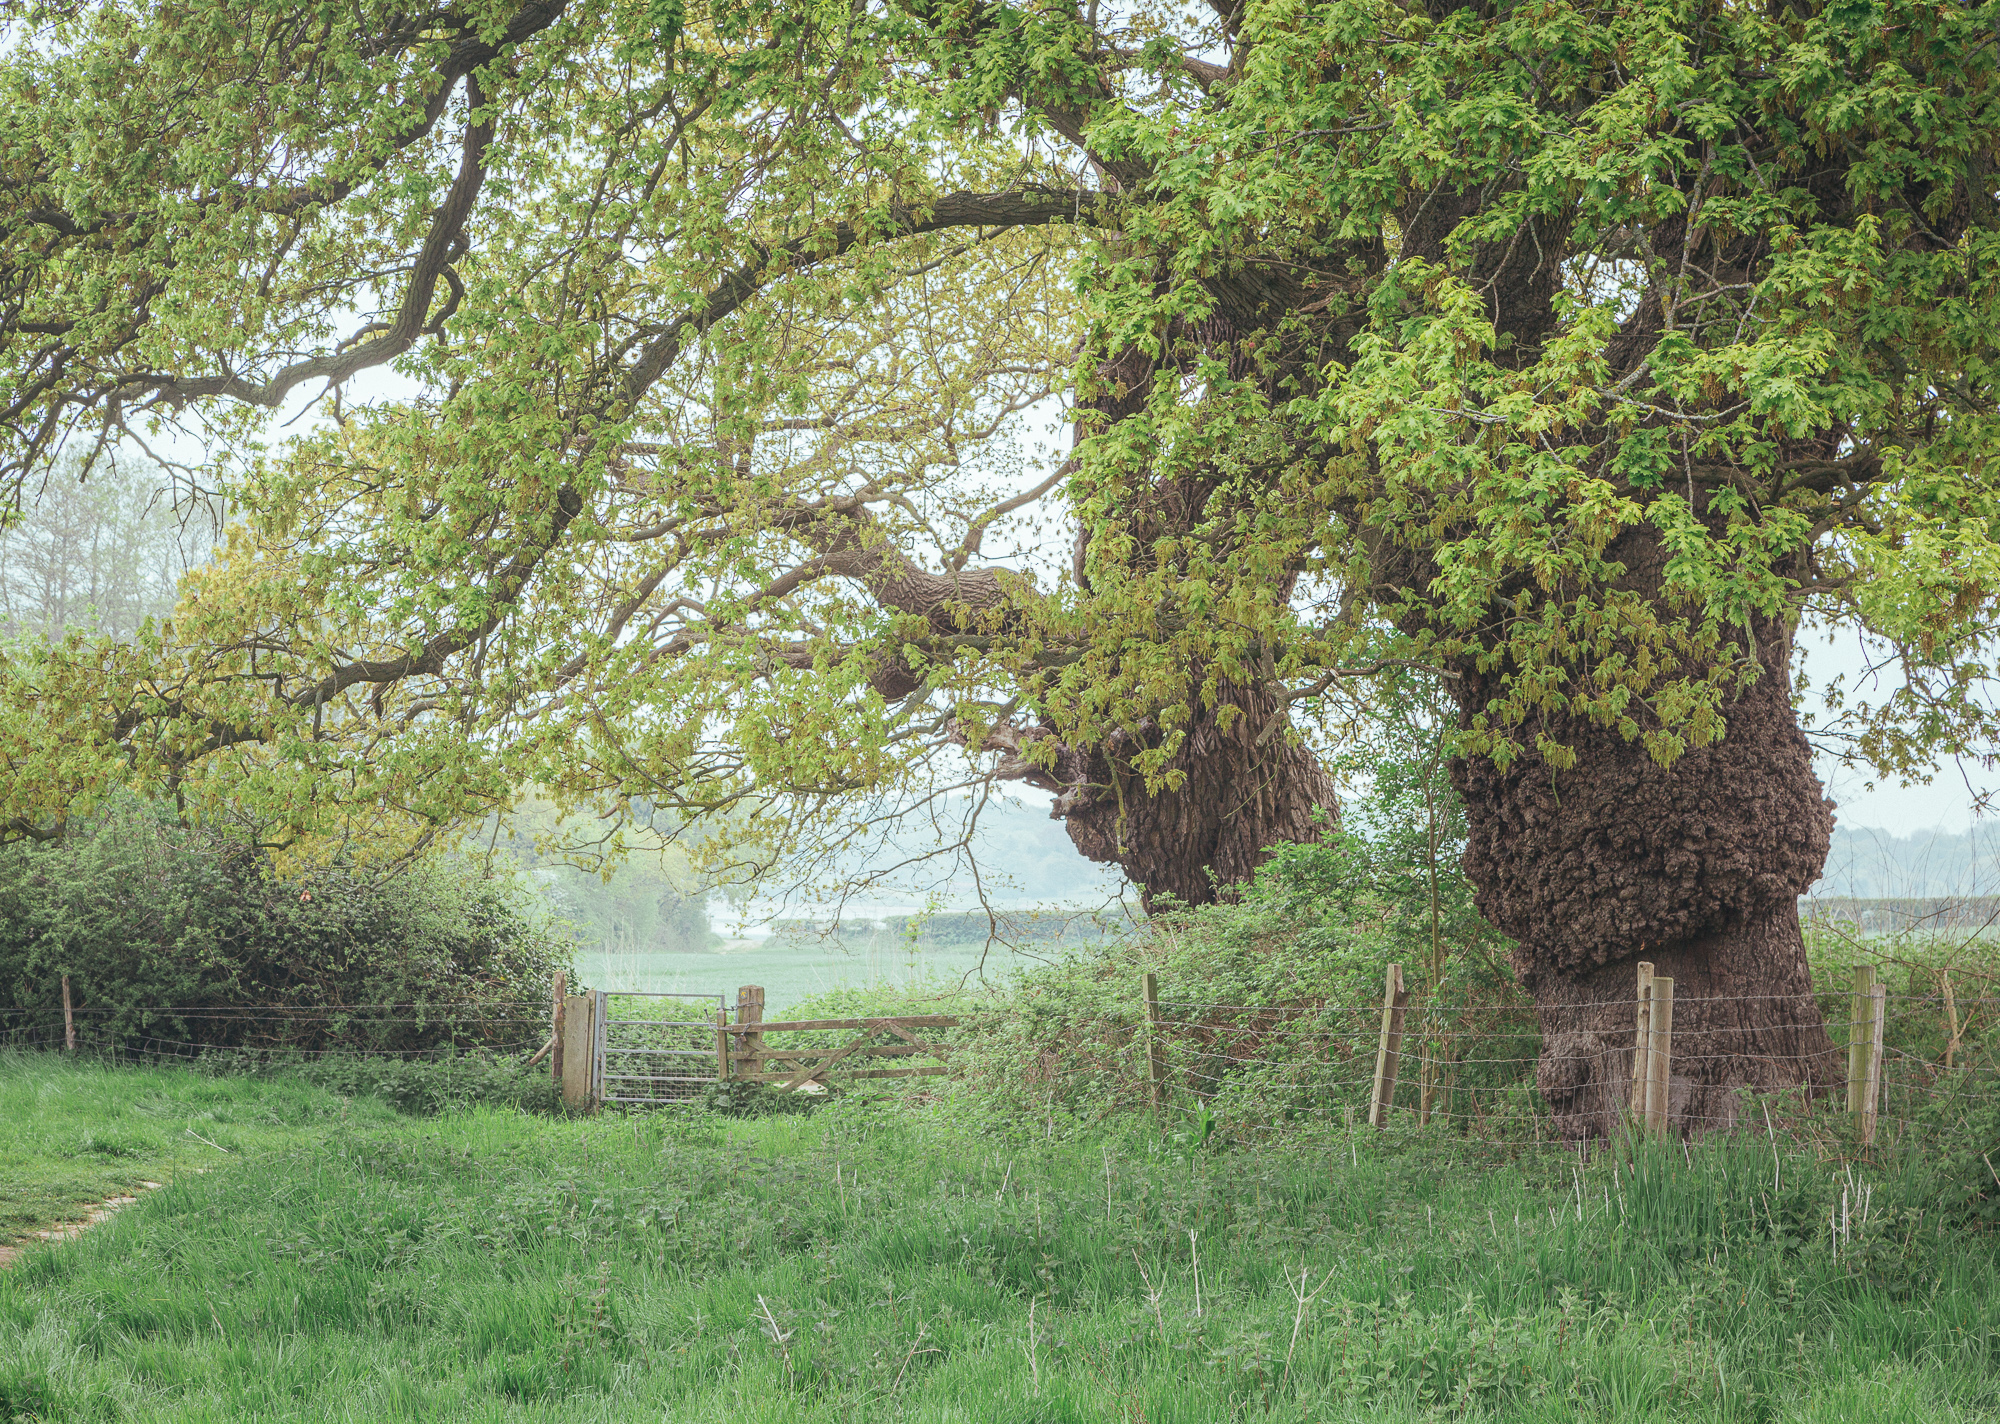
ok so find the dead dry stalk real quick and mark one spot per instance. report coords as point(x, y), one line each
point(1299, 1317)
point(1152, 1299)
point(780, 1338)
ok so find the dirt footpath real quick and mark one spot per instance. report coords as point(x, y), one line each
point(103, 1211)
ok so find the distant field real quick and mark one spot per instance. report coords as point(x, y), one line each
point(790, 972)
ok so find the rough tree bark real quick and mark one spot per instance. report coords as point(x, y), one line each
point(1244, 790)
point(1696, 867)
point(1196, 842)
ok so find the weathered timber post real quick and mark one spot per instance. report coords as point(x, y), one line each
point(1642, 1047)
point(556, 1026)
point(1860, 1006)
point(1388, 1051)
point(1156, 1063)
point(1876, 1013)
point(750, 1010)
point(69, 1021)
point(600, 1018)
point(1659, 1053)
point(579, 1034)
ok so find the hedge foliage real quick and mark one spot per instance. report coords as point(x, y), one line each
point(187, 939)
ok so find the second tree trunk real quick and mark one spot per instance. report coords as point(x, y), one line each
point(1695, 867)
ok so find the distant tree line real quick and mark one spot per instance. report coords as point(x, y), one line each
point(103, 555)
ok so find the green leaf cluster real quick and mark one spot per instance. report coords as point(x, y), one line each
point(180, 941)
point(1575, 351)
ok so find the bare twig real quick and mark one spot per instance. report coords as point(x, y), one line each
point(1299, 1318)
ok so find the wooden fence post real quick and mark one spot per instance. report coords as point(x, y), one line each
point(1660, 1053)
point(556, 1026)
point(1871, 1074)
point(600, 1015)
point(750, 1010)
point(1642, 1048)
point(69, 1022)
point(579, 1085)
point(1156, 1063)
point(1395, 1001)
point(1860, 1005)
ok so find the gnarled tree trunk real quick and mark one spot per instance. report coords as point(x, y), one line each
point(1696, 867)
point(1195, 842)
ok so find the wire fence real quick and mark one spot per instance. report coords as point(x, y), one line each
point(1500, 1073)
point(413, 1030)
point(1844, 1068)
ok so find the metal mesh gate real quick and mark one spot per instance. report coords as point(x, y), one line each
point(664, 1057)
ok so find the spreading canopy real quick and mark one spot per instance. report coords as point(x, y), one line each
point(1575, 352)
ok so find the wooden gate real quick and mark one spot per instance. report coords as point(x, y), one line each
point(840, 1050)
point(614, 1053)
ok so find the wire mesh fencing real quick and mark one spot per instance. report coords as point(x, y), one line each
point(1845, 1069)
point(410, 1030)
point(1848, 1067)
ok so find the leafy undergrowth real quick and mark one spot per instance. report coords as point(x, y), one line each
point(871, 1262)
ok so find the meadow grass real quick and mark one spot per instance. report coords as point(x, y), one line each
point(75, 1133)
point(883, 1261)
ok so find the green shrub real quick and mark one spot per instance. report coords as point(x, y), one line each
point(1270, 1001)
point(422, 1087)
point(1958, 1133)
point(181, 940)
point(744, 1099)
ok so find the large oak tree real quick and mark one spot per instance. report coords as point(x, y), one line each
point(1576, 353)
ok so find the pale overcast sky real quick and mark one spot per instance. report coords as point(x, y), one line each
point(1946, 803)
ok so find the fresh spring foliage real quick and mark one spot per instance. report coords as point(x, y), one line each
point(861, 1264)
point(1392, 330)
point(1313, 932)
point(175, 939)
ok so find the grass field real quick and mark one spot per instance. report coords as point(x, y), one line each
point(76, 1135)
point(794, 970)
point(875, 1262)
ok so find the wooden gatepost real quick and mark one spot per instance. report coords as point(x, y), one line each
point(582, 1060)
point(744, 1051)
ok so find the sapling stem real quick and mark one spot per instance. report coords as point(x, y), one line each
point(1152, 1298)
point(1299, 1317)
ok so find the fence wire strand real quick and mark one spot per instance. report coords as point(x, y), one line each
point(1489, 1072)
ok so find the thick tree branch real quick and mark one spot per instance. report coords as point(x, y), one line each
point(446, 233)
point(1021, 207)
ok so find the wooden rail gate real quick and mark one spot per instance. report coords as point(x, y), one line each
point(613, 1052)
